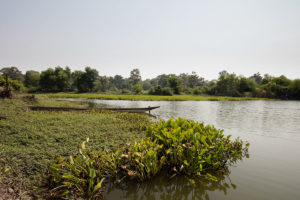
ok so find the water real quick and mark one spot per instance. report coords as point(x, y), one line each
point(271, 172)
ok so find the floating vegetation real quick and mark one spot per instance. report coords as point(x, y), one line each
point(182, 146)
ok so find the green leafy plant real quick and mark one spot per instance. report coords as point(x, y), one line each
point(80, 176)
point(185, 147)
point(193, 149)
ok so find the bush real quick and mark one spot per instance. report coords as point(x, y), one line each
point(14, 84)
point(137, 88)
point(198, 90)
point(158, 90)
point(124, 91)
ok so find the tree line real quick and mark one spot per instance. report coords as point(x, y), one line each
point(60, 79)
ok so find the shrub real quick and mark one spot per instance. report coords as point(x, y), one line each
point(124, 91)
point(158, 90)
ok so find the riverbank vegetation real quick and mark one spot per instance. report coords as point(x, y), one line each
point(60, 79)
point(120, 146)
point(133, 97)
point(31, 140)
point(181, 146)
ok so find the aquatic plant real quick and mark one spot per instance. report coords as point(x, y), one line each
point(193, 149)
point(182, 146)
point(141, 160)
point(80, 176)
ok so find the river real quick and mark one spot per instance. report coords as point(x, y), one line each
point(271, 172)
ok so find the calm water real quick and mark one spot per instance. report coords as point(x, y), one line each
point(271, 172)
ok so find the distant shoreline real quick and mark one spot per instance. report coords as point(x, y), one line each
point(149, 97)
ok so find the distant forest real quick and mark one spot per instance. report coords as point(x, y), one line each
point(60, 79)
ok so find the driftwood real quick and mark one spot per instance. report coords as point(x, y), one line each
point(47, 108)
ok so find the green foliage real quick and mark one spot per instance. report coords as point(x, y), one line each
point(55, 80)
point(126, 96)
point(135, 77)
point(140, 160)
point(137, 88)
point(79, 177)
point(183, 146)
point(15, 85)
point(85, 81)
point(295, 89)
point(13, 73)
point(158, 90)
point(32, 79)
point(31, 140)
point(103, 84)
point(175, 84)
point(199, 90)
point(227, 84)
point(193, 149)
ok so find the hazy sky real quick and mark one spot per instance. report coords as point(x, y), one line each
point(156, 36)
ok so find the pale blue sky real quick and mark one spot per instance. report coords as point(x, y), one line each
point(156, 36)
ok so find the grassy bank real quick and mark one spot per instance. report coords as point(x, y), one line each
point(149, 97)
point(30, 140)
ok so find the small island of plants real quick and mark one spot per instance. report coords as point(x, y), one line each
point(182, 146)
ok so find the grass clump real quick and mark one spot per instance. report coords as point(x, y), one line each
point(182, 146)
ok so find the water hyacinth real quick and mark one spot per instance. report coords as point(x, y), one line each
point(185, 147)
point(193, 149)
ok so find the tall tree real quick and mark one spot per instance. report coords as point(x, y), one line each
point(32, 78)
point(104, 83)
point(175, 84)
point(57, 79)
point(85, 81)
point(135, 77)
point(12, 72)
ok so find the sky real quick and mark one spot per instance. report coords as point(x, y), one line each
point(155, 36)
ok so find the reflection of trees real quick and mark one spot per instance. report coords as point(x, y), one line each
point(162, 187)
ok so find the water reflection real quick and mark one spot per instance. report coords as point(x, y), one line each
point(161, 187)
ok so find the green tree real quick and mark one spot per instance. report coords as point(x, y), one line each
point(257, 78)
point(55, 80)
point(227, 84)
point(137, 88)
point(146, 84)
point(246, 85)
point(48, 80)
point(90, 76)
point(78, 81)
point(63, 78)
point(13, 84)
point(12, 72)
point(118, 82)
point(162, 80)
point(32, 79)
point(85, 81)
point(175, 84)
point(135, 77)
point(295, 89)
point(194, 80)
point(104, 83)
